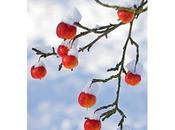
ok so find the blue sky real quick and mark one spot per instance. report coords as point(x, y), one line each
point(52, 102)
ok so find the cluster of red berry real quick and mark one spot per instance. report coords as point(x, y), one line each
point(66, 32)
point(86, 99)
point(69, 61)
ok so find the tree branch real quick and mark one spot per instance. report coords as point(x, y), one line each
point(130, 9)
point(98, 30)
point(104, 80)
point(95, 30)
point(114, 6)
point(43, 54)
point(137, 51)
point(115, 68)
point(107, 5)
point(116, 102)
point(88, 46)
point(60, 67)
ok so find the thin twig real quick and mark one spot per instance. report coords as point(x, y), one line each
point(88, 46)
point(60, 67)
point(117, 7)
point(137, 51)
point(104, 80)
point(115, 68)
point(98, 30)
point(43, 54)
point(95, 30)
point(107, 5)
point(114, 6)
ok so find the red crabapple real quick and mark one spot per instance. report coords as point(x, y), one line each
point(125, 16)
point(86, 100)
point(62, 50)
point(69, 61)
point(92, 124)
point(132, 79)
point(38, 72)
point(66, 31)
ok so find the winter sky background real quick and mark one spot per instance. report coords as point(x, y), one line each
point(52, 102)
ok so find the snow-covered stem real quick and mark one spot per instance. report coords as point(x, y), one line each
point(99, 30)
point(107, 5)
point(95, 30)
point(44, 54)
point(104, 34)
point(117, 7)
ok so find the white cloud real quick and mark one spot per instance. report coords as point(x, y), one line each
point(66, 124)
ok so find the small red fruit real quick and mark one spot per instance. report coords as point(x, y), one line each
point(66, 31)
point(132, 79)
point(125, 16)
point(91, 124)
point(86, 100)
point(38, 72)
point(69, 61)
point(62, 50)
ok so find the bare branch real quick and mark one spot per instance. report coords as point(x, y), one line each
point(141, 8)
point(130, 9)
point(113, 6)
point(43, 54)
point(80, 35)
point(94, 30)
point(120, 124)
point(106, 5)
point(105, 107)
point(109, 113)
point(60, 67)
point(137, 51)
point(104, 80)
point(99, 30)
point(88, 47)
point(115, 68)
